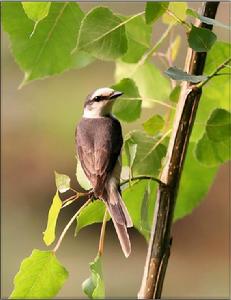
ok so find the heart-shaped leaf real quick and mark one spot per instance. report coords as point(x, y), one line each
point(48, 50)
point(201, 39)
point(102, 34)
point(41, 276)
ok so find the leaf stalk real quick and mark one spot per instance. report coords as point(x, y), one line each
point(215, 73)
point(69, 225)
point(102, 233)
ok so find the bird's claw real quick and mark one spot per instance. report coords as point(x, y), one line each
point(92, 195)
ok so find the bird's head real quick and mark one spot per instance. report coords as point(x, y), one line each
point(100, 102)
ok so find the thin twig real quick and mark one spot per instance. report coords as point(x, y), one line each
point(69, 199)
point(157, 144)
point(69, 224)
point(162, 58)
point(105, 215)
point(215, 73)
point(135, 178)
point(73, 190)
point(182, 22)
point(153, 100)
point(73, 197)
point(150, 53)
point(223, 74)
point(102, 233)
point(161, 103)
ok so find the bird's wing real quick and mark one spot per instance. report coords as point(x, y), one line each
point(97, 164)
point(99, 158)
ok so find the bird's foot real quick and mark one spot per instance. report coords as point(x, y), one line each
point(91, 195)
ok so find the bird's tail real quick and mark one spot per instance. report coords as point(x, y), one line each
point(120, 217)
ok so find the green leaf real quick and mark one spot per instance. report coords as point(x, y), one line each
point(92, 213)
point(206, 20)
point(41, 276)
point(178, 74)
point(130, 150)
point(102, 34)
point(216, 56)
point(194, 185)
point(175, 94)
point(153, 125)
point(145, 225)
point(154, 10)
point(179, 9)
point(94, 287)
point(47, 52)
point(191, 12)
point(218, 127)
point(139, 38)
point(149, 153)
point(81, 59)
point(201, 39)
point(212, 153)
point(134, 199)
point(152, 85)
point(140, 200)
point(81, 177)
point(36, 11)
point(212, 97)
point(62, 182)
point(128, 107)
point(49, 234)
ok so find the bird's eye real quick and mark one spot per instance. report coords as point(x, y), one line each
point(97, 98)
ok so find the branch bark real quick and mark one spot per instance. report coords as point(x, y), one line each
point(160, 240)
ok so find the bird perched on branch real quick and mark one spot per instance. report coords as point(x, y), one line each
point(98, 143)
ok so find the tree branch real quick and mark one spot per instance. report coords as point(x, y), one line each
point(160, 240)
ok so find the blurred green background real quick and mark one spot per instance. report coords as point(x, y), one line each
point(38, 125)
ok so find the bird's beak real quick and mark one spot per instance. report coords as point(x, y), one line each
point(116, 94)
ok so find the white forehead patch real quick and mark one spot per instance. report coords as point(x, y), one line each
point(102, 92)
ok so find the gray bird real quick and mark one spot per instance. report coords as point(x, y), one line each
point(98, 143)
